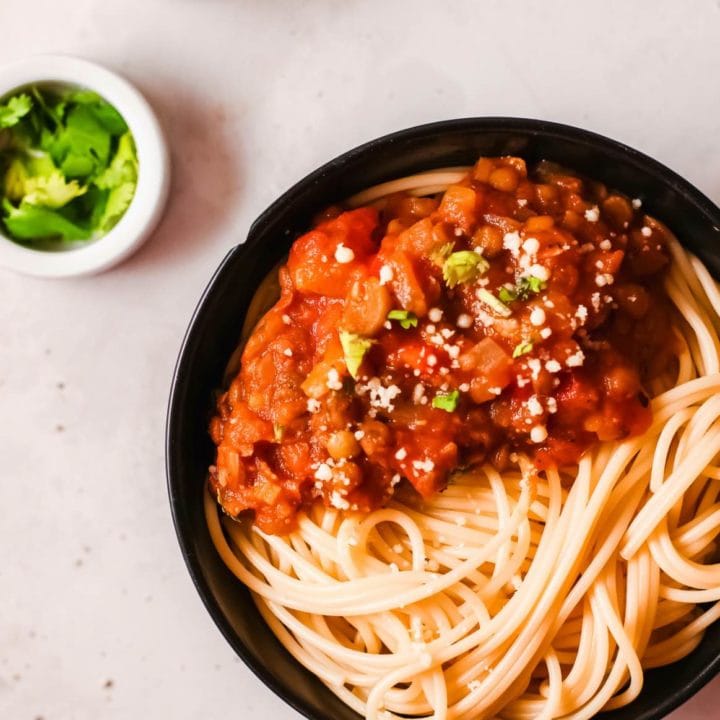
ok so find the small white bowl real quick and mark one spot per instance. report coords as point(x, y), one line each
point(153, 174)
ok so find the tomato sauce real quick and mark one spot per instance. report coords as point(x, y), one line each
point(512, 313)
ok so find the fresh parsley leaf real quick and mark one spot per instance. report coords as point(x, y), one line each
point(52, 190)
point(446, 401)
point(105, 113)
point(82, 146)
point(14, 110)
point(522, 348)
point(33, 222)
point(354, 348)
point(463, 267)
point(123, 168)
point(404, 317)
point(497, 306)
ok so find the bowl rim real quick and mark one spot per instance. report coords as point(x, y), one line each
point(537, 127)
point(148, 202)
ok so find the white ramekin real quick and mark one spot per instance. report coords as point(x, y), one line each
point(153, 169)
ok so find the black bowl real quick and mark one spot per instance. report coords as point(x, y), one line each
point(215, 329)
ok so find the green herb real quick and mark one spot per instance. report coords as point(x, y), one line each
point(525, 287)
point(463, 267)
point(497, 306)
point(14, 110)
point(404, 317)
point(522, 348)
point(69, 166)
point(354, 348)
point(446, 401)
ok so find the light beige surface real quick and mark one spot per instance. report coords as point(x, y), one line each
point(254, 94)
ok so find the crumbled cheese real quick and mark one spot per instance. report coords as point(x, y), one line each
point(338, 501)
point(605, 245)
point(458, 232)
point(324, 472)
point(595, 300)
point(535, 366)
point(359, 434)
point(401, 454)
point(431, 360)
point(531, 246)
point(380, 397)
point(646, 231)
point(386, 274)
point(418, 393)
point(447, 333)
point(593, 214)
point(576, 360)
point(452, 350)
point(464, 387)
point(534, 405)
point(521, 381)
point(553, 366)
point(603, 279)
point(424, 465)
point(396, 478)
point(538, 434)
point(287, 352)
point(344, 254)
point(286, 319)
point(495, 390)
point(313, 405)
point(636, 203)
point(430, 328)
point(522, 202)
point(538, 271)
point(511, 242)
point(333, 380)
point(435, 314)
point(545, 333)
point(537, 317)
point(551, 404)
point(464, 321)
point(387, 325)
point(599, 264)
point(581, 314)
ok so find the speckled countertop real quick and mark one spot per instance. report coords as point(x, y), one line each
point(98, 617)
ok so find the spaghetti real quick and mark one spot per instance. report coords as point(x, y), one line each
point(516, 593)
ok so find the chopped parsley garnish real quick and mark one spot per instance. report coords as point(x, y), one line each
point(522, 348)
point(525, 287)
point(446, 401)
point(497, 306)
point(69, 166)
point(354, 348)
point(404, 317)
point(463, 267)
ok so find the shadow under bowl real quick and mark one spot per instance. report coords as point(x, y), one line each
point(215, 329)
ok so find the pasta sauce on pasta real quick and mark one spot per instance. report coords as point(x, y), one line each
point(512, 314)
